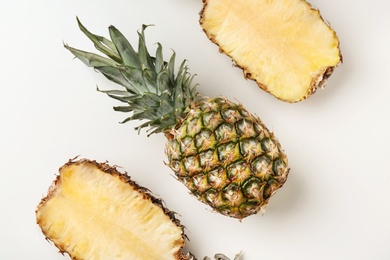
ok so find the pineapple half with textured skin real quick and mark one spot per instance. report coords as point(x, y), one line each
point(222, 153)
point(284, 45)
point(93, 211)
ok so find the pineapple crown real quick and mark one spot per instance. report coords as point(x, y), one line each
point(152, 92)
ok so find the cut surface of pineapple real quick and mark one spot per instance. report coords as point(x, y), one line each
point(284, 45)
point(94, 212)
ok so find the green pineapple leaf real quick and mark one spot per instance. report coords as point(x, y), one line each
point(152, 90)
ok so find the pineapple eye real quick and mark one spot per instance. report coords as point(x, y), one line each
point(253, 188)
point(206, 158)
point(173, 149)
point(211, 119)
point(212, 105)
point(243, 112)
point(187, 146)
point(200, 182)
point(280, 167)
point(270, 188)
point(212, 198)
point(203, 139)
point(230, 115)
point(228, 152)
point(269, 147)
point(249, 207)
point(225, 132)
point(219, 102)
point(245, 128)
point(238, 171)
point(194, 125)
point(260, 130)
point(232, 193)
point(250, 147)
point(216, 178)
point(186, 143)
point(261, 167)
point(191, 165)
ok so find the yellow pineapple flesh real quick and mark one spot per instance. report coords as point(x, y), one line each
point(92, 211)
point(284, 45)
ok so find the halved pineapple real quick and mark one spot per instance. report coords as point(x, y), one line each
point(92, 211)
point(284, 45)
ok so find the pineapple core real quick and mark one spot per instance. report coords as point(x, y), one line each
point(284, 45)
point(91, 214)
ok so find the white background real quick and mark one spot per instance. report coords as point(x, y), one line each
point(335, 204)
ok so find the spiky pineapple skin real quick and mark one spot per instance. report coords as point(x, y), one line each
point(227, 158)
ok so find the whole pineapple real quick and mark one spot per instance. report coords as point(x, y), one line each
point(222, 153)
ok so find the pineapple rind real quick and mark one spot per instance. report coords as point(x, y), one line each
point(94, 215)
point(283, 45)
point(236, 167)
